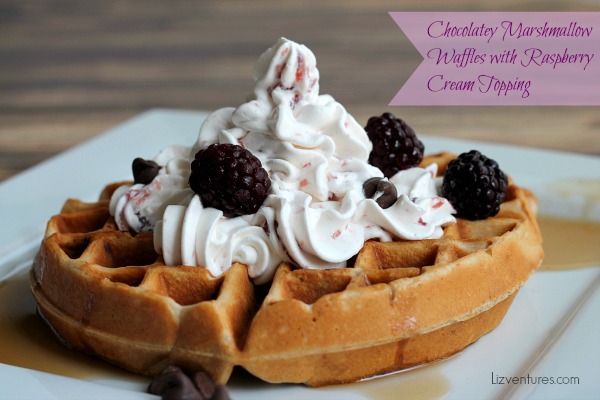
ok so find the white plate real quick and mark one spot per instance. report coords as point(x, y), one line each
point(550, 331)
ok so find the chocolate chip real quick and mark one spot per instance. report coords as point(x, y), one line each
point(381, 190)
point(174, 384)
point(144, 171)
point(208, 388)
point(221, 393)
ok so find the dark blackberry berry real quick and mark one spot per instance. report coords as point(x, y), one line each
point(474, 185)
point(395, 145)
point(230, 178)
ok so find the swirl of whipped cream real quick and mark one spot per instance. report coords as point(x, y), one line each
point(194, 235)
point(138, 207)
point(316, 154)
point(326, 234)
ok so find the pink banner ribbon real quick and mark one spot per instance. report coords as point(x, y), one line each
point(512, 58)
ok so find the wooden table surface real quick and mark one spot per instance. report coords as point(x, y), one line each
point(71, 69)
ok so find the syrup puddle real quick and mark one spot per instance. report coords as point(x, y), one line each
point(421, 383)
point(422, 387)
point(26, 341)
point(569, 244)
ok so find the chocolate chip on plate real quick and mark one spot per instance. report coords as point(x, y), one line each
point(174, 384)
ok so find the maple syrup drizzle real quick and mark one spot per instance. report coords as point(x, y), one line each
point(26, 341)
point(569, 244)
point(422, 383)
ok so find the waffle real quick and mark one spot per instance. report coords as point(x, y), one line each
point(398, 305)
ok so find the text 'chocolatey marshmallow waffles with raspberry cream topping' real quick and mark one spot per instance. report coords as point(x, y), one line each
point(292, 242)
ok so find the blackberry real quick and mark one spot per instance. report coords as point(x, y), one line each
point(395, 145)
point(475, 185)
point(230, 178)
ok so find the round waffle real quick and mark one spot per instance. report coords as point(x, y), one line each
point(398, 305)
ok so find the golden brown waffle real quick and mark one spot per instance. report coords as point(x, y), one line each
point(401, 304)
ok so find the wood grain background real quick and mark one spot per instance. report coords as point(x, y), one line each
point(70, 69)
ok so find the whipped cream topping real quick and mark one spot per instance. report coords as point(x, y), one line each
point(316, 154)
point(138, 207)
